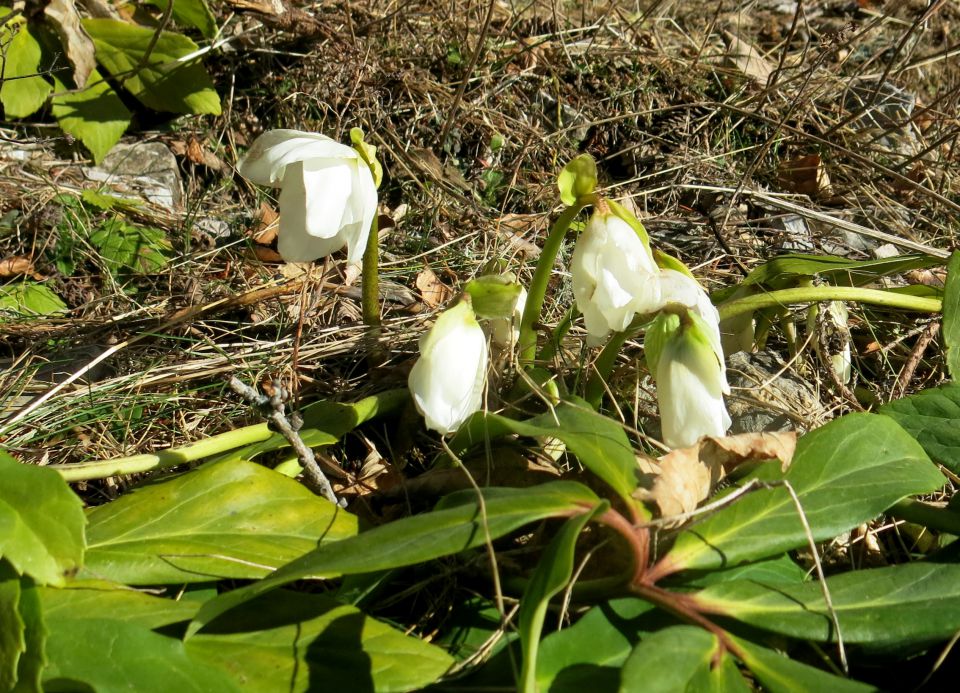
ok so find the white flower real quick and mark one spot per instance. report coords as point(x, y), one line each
point(677, 287)
point(690, 386)
point(447, 380)
point(614, 276)
point(327, 194)
point(506, 331)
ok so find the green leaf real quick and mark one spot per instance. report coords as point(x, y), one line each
point(22, 90)
point(33, 660)
point(307, 642)
point(769, 572)
point(552, 574)
point(951, 315)
point(192, 13)
point(41, 522)
point(680, 659)
point(126, 247)
point(905, 604)
point(12, 629)
point(92, 599)
point(612, 629)
point(95, 115)
point(29, 298)
point(416, 539)
point(931, 417)
point(780, 674)
point(845, 473)
point(163, 83)
point(106, 654)
point(597, 441)
point(223, 520)
point(577, 179)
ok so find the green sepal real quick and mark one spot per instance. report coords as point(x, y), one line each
point(623, 213)
point(494, 295)
point(368, 153)
point(577, 179)
point(664, 328)
point(666, 261)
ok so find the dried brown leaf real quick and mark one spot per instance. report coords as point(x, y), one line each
point(16, 265)
point(77, 44)
point(266, 225)
point(684, 478)
point(747, 59)
point(434, 292)
point(806, 175)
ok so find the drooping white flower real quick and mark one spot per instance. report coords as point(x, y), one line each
point(677, 287)
point(327, 194)
point(447, 380)
point(614, 276)
point(505, 331)
point(690, 379)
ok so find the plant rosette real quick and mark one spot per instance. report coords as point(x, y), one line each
point(328, 197)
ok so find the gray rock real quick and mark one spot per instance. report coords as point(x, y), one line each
point(145, 169)
point(889, 114)
point(765, 399)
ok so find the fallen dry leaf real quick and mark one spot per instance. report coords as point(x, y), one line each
point(16, 265)
point(200, 155)
point(744, 57)
point(266, 225)
point(806, 175)
point(683, 478)
point(434, 292)
point(77, 44)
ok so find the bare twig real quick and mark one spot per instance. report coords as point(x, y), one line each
point(272, 409)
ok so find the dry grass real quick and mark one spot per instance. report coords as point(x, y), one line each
point(648, 88)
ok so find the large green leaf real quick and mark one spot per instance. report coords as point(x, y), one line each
point(597, 441)
point(28, 299)
point(158, 79)
point(678, 659)
point(611, 629)
point(33, 659)
point(552, 574)
point(931, 417)
point(780, 674)
point(309, 642)
point(416, 539)
point(41, 522)
point(106, 654)
point(90, 599)
point(228, 519)
point(906, 604)
point(22, 89)
point(12, 628)
point(193, 13)
point(951, 315)
point(845, 473)
point(95, 114)
point(130, 248)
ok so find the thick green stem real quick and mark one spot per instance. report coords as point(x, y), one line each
point(370, 285)
point(213, 445)
point(552, 347)
point(811, 294)
point(603, 367)
point(538, 285)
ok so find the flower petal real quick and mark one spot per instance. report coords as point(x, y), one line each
point(269, 155)
point(327, 185)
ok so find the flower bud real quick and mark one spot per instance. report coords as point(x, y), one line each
point(327, 194)
point(614, 276)
point(447, 380)
point(690, 379)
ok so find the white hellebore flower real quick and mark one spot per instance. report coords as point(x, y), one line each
point(327, 194)
point(614, 276)
point(677, 287)
point(505, 331)
point(447, 380)
point(690, 382)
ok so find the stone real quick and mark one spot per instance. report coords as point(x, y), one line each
point(144, 169)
